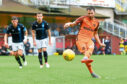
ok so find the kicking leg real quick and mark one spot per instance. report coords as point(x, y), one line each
point(87, 60)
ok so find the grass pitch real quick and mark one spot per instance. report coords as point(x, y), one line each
point(112, 69)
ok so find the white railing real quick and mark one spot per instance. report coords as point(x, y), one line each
point(0, 2)
point(114, 29)
point(45, 3)
point(50, 3)
point(40, 2)
point(120, 22)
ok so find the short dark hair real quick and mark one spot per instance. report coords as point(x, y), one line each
point(14, 18)
point(90, 8)
point(39, 13)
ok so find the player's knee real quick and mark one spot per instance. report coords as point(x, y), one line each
point(88, 54)
point(15, 54)
point(20, 53)
point(44, 49)
point(39, 50)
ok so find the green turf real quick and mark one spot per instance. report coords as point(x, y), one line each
point(113, 70)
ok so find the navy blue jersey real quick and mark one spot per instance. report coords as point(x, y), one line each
point(107, 43)
point(40, 29)
point(17, 33)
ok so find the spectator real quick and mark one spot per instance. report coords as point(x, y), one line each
point(95, 47)
point(27, 47)
point(125, 45)
point(56, 32)
point(121, 46)
point(76, 31)
point(68, 30)
point(101, 50)
point(107, 47)
point(0, 50)
point(5, 29)
point(62, 32)
point(3, 51)
point(71, 32)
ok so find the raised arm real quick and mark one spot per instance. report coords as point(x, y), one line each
point(69, 24)
point(76, 22)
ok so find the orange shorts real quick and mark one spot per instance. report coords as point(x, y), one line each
point(84, 47)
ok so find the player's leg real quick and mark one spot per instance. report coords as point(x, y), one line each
point(88, 64)
point(21, 54)
point(40, 57)
point(87, 50)
point(44, 45)
point(39, 47)
point(46, 57)
point(82, 48)
point(15, 53)
point(88, 53)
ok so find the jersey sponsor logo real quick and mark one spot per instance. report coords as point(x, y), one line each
point(19, 29)
point(42, 25)
point(36, 25)
point(13, 30)
point(39, 29)
point(88, 29)
point(83, 48)
point(94, 25)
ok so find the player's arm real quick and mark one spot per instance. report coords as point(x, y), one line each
point(97, 38)
point(33, 36)
point(33, 33)
point(6, 39)
point(69, 24)
point(76, 22)
point(49, 35)
point(6, 36)
point(49, 32)
point(26, 35)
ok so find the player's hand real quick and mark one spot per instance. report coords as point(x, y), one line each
point(102, 45)
point(25, 42)
point(50, 43)
point(6, 45)
point(34, 43)
point(67, 25)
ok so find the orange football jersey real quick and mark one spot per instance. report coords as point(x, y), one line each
point(87, 28)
